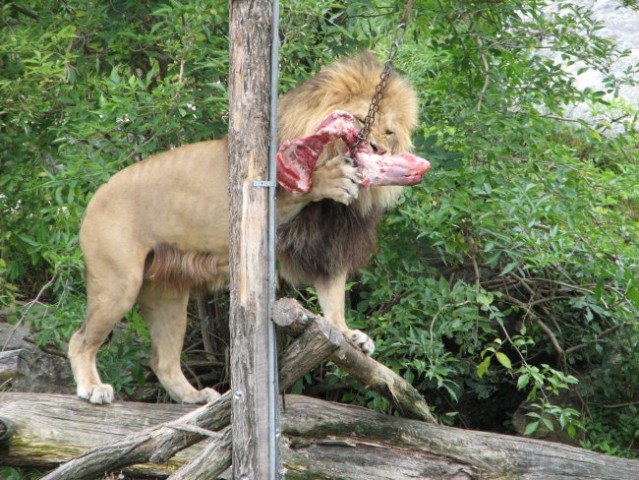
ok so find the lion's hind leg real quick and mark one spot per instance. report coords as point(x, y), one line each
point(109, 299)
point(164, 309)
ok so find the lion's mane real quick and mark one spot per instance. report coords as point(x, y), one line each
point(327, 237)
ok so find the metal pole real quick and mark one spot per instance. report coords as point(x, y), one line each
point(274, 424)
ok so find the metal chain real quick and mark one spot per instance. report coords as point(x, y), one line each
point(363, 134)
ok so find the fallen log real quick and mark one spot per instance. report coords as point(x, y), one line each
point(160, 443)
point(50, 429)
point(319, 440)
point(317, 342)
point(211, 462)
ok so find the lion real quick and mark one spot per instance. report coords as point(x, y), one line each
point(159, 228)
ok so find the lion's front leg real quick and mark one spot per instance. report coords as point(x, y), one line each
point(331, 293)
point(335, 179)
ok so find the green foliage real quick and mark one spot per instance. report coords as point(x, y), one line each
point(519, 249)
point(508, 276)
point(10, 473)
point(103, 85)
point(122, 360)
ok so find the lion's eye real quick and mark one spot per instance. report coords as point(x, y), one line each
point(390, 132)
point(360, 120)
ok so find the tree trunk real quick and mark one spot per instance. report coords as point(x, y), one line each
point(319, 440)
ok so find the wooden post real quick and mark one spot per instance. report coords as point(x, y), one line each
point(253, 408)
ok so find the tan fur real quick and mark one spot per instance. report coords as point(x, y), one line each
point(159, 228)
point(186, 270)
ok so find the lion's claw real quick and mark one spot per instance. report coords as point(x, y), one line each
point(97, 394)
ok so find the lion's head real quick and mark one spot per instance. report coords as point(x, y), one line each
point(349, 85)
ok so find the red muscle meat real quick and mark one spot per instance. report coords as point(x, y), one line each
point(296, 159)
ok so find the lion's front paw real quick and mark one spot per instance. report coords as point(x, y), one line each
point(363, 341)
point(337, 180)
point(98, 394)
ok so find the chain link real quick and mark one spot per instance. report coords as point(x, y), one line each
point(365, 131)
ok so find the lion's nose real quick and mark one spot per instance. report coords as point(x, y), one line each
point(378, 149)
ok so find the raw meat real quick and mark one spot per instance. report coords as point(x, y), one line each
point(296, 159)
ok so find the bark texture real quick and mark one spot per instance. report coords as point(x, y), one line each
point(320, 440)
point(249, 94)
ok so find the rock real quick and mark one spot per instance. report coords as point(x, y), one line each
point(42, 372)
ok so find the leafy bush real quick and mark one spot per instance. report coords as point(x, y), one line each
point(511, 272)
point(9, 473)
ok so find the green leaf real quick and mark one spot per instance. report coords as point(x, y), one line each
point(504, 360)
point(509, 268)
point(29, 241)
point(531, 428)
point(484, 299)
point(522, 381)
point(482, 368)
point(548, 424)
